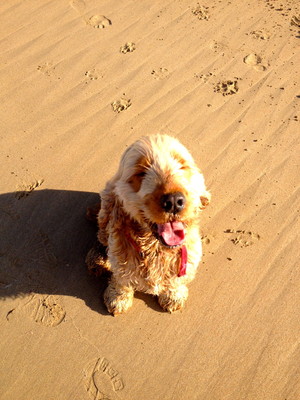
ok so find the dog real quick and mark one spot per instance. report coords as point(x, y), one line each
point(148, 224)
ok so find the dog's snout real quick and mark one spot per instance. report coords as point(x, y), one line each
point(173, 203)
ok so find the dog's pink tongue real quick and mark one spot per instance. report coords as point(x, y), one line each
point(172, 233)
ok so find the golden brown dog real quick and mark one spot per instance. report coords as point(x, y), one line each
point(149, 221)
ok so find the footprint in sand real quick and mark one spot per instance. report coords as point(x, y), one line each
point(102, 380)
point(121, 105)
point(227, 88)
point(98, 21)
point(254, 61)
point(128, 47)
point(25, 190)
point(295, 21)
point(261, 34)
point(44, 310)
point(201, 12)
point(161, 73)
point(242, 238)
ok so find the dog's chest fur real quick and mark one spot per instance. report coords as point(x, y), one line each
point(136, 255)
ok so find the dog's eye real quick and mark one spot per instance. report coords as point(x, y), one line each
point(184, 167)
point(136, 180)
point(140, 174)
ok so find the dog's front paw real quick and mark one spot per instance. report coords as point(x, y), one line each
point(173, 300)
point(118, 300)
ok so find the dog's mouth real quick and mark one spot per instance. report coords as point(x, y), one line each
point(171, 234)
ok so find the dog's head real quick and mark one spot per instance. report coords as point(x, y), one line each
point(160, 185)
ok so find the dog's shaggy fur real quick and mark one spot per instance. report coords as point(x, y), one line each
point(148, 220)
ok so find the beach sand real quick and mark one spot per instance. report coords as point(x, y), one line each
point(80, 81)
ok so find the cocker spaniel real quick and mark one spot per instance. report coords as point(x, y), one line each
point(148, 224)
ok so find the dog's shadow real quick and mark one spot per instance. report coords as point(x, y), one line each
point(44, 241)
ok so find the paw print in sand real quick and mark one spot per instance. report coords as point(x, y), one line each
point(201, 12)
point(227, 87)
point(243, 238)
point(121, 105)
point(128, 47)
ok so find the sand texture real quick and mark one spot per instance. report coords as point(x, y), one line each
point(80, 81)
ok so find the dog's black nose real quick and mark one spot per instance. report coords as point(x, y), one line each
point(173, 203)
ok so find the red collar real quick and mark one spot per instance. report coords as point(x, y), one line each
point(183, 263)
point(132, 242)
point(183, 254)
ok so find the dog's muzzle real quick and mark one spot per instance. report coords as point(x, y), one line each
point(172, 234)
point(173, 203)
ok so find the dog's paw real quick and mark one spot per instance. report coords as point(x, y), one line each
point(118, 301)
point(174, 300)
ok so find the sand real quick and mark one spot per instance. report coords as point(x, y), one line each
point(81, 80)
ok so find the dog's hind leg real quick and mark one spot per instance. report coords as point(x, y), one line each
point(96, 259)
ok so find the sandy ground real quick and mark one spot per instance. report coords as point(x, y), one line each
point(80, 80)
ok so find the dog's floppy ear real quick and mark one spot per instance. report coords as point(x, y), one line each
point(205, 199)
